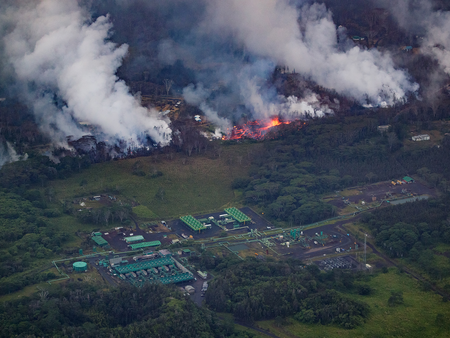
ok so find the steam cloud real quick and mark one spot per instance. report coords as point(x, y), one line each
point(8, 154)
point(66, 64)
point(305, 39)
point(419, 17)
point(197, 95)
point(66, 68)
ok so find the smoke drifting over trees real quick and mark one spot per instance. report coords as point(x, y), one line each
point(65, 68)
point(70, 60)
point(305, 39)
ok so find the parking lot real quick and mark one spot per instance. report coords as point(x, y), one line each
point(343, 262)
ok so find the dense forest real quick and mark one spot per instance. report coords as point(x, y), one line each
point(288, 175)
point(413, 230)
point(29, 217)
point(256, 290)
point(27, 236)
point(76, 310)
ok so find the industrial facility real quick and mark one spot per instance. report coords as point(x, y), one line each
point(159, 267)
point(233, 216)
point(424, 137)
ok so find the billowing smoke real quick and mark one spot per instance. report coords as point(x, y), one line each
point(8, 154)
point(309, 106)
point(221, 55)
point(305, 39)
point(65, 67)
point(432, 26)
point(197, 95)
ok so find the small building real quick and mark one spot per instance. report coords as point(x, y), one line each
point(383, 129)
point(115, 261)
point(197, 118)
point(79, 267)
point(408, 179)
point(134, 239)
point(407, 48)
point(100, 241)
point(165, 253)
point(423, 137)
point(202, 274)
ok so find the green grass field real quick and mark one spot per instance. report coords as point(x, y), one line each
point(415, 318)
point(202, 184)
point(143, 212)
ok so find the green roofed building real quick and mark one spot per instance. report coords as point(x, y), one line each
point(238, 215)
point(408, 179)
point(193, 223)
point(99, 240)
point(134, 239)
point(144, 265)
point(144, 245)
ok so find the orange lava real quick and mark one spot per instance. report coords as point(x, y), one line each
point(253, 129)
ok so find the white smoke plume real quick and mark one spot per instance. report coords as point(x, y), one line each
point(307, 106)
point(59, 54)
point(197, 95)
point(8, 154)
point(291, 108)
point(305, 39)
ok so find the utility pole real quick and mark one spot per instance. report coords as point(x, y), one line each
point(365, 249)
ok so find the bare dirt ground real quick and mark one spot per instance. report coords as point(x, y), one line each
point(375, 193)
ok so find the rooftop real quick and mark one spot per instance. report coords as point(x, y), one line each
point(193, 223)
point(144, 244)
point(238, 215)
point(99, 240)
point(134, 238)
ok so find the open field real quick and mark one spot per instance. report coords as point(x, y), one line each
point(415, 318)
point(202, 184)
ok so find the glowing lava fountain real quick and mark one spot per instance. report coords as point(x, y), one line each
point(254, 129)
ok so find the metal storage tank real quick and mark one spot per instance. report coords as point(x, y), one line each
point(80, 266)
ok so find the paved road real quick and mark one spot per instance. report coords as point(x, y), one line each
point(102, 271)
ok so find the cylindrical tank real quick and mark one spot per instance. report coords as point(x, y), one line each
point(80, 266)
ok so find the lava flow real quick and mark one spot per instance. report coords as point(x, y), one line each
point(254, 129)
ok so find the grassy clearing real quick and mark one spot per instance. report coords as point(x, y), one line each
point(347, 210)
point(143, 212)
point(416, 318)
point(359, 231)
point(229, 316)
point(27, 291)
point(202, 184)
point(347, 193)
